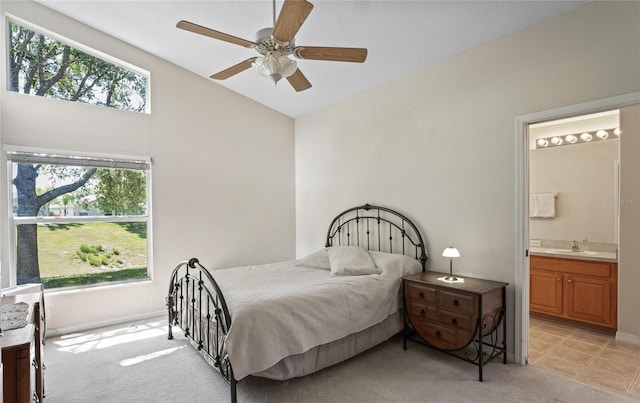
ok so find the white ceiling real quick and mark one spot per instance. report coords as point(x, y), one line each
point(401, 36)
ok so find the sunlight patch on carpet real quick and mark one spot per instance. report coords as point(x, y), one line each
point(147, 357)
point(89, 342)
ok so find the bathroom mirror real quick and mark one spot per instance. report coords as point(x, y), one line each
point(584, 175)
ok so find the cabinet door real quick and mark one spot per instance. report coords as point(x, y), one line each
point(545, 291)
point(589, 298)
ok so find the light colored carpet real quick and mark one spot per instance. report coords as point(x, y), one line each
point(136, 363)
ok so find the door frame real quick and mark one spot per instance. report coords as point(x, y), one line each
point(521, 336)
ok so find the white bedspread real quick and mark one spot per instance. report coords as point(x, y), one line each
point(278, 310)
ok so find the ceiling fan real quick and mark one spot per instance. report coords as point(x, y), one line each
point(276, 43)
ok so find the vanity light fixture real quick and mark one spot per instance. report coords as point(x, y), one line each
point(556, 141)
point(578, 138)
point(586, 137)
point(571, 138)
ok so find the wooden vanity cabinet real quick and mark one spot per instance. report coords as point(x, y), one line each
point(546, 291)
point(580, 290)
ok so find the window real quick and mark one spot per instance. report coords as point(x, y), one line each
point(44, 66)
point(78, 220)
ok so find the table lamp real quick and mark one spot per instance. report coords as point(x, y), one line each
point(451, 252)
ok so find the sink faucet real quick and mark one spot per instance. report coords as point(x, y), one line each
point(574, 247)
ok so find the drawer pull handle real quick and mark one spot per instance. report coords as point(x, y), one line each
point(421, 294)
point(456, 302)
point(438, 334)
point(558, 279)
point(569, 281)
point(422, 312)
point(35, 364)
point(454, 321)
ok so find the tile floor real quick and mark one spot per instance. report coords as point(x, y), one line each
point(586, 355)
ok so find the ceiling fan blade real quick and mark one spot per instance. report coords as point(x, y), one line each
point(199, 29)
point(356, 55)
point(290, 19)
point(233, 70)
point(298, 81)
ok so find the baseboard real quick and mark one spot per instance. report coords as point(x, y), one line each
point(628, 337)
point(52, 332)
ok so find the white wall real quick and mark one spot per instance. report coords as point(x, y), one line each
point(439, 145)
point(222, 184)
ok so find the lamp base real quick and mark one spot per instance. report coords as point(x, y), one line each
point(451, 279)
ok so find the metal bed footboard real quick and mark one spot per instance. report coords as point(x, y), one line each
point(196, 305)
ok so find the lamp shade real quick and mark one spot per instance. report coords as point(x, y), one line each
point(451, 252)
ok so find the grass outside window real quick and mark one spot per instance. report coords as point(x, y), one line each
point(74, 254)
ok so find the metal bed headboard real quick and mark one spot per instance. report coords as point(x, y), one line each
point(377, 228)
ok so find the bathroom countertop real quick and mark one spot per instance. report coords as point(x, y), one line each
point(597, 256)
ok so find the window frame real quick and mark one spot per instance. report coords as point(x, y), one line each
point(14, 221)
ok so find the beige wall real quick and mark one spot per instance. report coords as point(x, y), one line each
point(629, 277)
point(439, 145)
point(584, 177)
point(222, 184)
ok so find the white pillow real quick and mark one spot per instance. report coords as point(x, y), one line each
point(395, 264)
point(350, 261)
point(315, 260)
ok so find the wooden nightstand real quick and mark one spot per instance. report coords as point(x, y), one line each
point(461, 319)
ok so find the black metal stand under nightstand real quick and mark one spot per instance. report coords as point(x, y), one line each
point(462, 319)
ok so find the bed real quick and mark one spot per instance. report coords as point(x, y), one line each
point(289, 319)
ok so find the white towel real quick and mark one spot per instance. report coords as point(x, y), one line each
point(542, 205)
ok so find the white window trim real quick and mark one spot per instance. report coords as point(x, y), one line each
point(70, 219)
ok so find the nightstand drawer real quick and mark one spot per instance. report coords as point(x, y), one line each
point(457, 302)
point(418, 309)
point(426, 294)
point(439, 336)
point(457, 320)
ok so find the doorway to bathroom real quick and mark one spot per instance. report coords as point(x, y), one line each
point(541, 232)
point(573, 243)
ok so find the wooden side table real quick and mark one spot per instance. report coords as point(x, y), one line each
point(22, 353)
point(461, 319)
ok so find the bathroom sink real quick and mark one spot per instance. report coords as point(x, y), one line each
point(568, 252)
point(589, 252)
point(559, 251)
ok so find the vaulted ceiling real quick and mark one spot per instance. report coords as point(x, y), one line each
point(401, 37)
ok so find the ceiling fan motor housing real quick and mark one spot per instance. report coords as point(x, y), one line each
point(265, 44)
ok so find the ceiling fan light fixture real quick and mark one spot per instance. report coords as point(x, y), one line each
point(274, 67)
